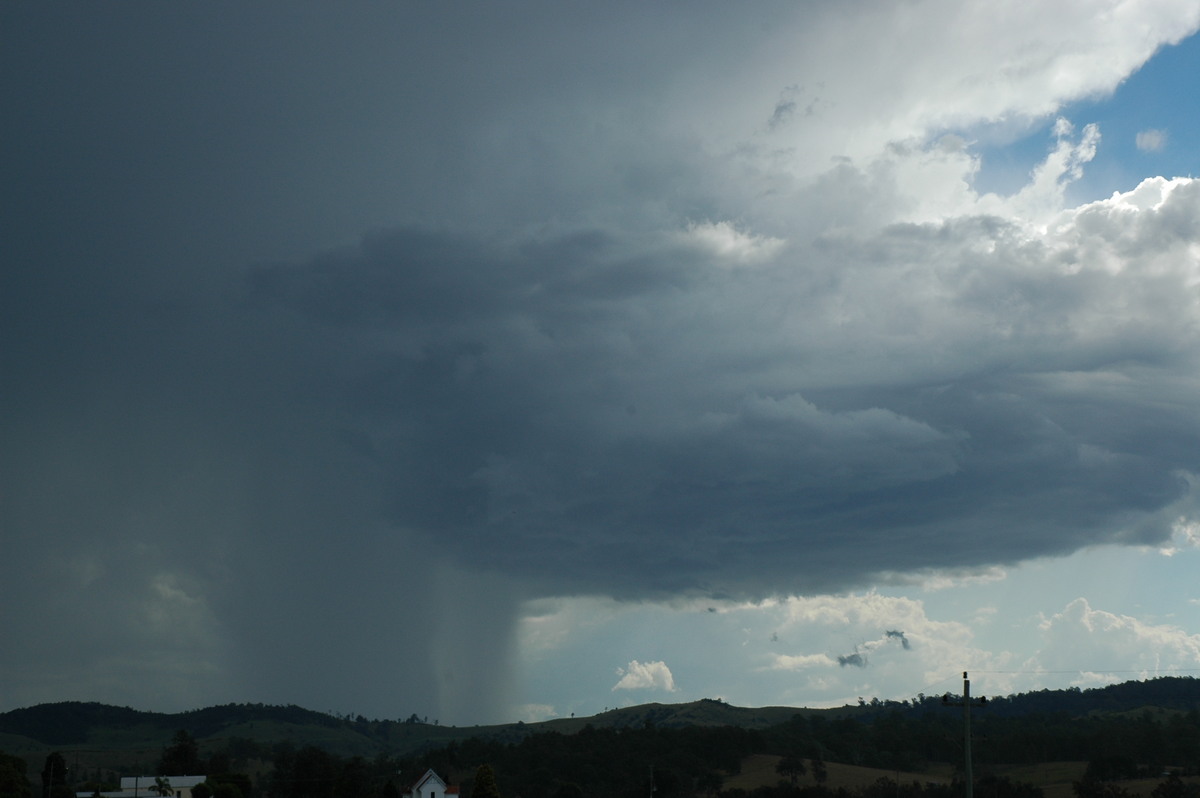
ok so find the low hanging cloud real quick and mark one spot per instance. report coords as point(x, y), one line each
point(645, 676)
point(858, 658)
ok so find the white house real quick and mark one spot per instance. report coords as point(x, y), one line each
point(431, 785)
point(181, 786)
point(146, 787)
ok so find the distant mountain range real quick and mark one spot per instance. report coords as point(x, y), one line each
point(91, 726)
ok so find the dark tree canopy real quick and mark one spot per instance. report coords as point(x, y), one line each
point(485, 783)
point(791, 766)
point(819, 772)
point(12, 777)
point(181, 757)
point(54, 777)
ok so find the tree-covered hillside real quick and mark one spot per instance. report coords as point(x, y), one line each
point(1133, 729)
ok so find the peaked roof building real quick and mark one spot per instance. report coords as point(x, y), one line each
point(431, 785)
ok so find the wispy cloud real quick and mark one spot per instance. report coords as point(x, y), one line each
point(1151, 140)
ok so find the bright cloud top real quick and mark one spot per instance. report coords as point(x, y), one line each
point(645, 676)
point(727, 242)
point(1115, 645)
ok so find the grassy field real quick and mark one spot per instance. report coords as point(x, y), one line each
point(1055, 778)
point(758, 770)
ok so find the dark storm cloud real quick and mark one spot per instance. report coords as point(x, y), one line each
point(858, 658)
point(584, 414)
point(600, 419)
point(554, 368)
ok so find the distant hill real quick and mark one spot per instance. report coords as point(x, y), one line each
point(80, 725)
point(1181, 693)
point(76, 724)
point(705, 712)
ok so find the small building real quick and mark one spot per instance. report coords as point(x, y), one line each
point(147, 787)
point(431, 785)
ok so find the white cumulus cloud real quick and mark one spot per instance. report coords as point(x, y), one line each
point(1106, 647)
point(645, 676)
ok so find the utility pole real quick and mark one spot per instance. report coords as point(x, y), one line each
point(965, 703)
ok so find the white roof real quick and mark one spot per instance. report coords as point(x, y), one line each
point(429, 774)
point(146, 782)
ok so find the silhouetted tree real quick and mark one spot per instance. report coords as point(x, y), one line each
point(226, 789)
point(230, 785)
point(315, 773)
point(791, 766)
point(54, 777)
point(352, 781)
point(12, 777)
point(1112, 766)
point(1089, 787)
point(820, 774)
point(218, 762)
point(710, 782)
point(181, 757)
point(1174, 787)
point(485, 783)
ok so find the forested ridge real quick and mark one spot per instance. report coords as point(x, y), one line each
point(1124, 731)
point(72, 722)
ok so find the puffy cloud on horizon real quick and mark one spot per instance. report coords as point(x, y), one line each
point(645, 676)
point(801, 651)
point(1113, 647)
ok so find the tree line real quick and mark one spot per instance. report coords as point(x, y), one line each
point(695, 761)
point(1128, 740)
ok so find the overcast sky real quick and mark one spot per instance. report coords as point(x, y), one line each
point(503, 361)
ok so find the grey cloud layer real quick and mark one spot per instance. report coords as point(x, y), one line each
point(623, 328)
point(648, 421)
point(633, 415)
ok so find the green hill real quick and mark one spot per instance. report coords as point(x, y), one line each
point(83, 726)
